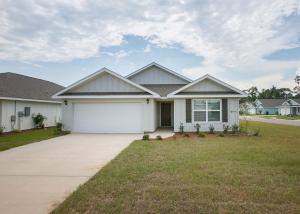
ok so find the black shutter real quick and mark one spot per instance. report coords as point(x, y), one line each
point(188, 110)
point(224, 110)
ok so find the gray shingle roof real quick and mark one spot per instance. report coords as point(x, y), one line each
point(271, 103)
point(163, 89)
point(19, 86)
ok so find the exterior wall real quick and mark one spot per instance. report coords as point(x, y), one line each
point(50, 110)
point(180, 117)
point(270, 111)
point(105, 83)
point(284, 110)
point(149, 113)
point(207, 85)
point(155, 75)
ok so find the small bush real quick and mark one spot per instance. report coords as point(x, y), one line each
point(211, 129)
point(235, 129)
point(2, 129)
point(225, 128)
point(197, 127)
point(17, 130)
point(38, 120)
point(146, 137)
point(256, 132)
point(186, 135)
point(158, 137)
point(221, 135)
point(181, 128)
point(201, 135)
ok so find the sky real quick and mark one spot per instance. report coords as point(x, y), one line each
point(244, 43)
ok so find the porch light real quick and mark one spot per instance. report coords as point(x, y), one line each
point(147, 100)
point(66, 102)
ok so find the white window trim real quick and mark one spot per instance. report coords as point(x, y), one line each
point(206, 111)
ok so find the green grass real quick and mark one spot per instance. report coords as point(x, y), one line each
point(11, 140)
point(283, 117)
point(231, 174)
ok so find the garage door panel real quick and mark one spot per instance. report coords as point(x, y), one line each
point(108, 118)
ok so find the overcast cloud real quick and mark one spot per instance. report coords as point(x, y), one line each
point(233, 37)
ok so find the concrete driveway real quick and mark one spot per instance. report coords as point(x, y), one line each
point(272, 120)
point(36, 177)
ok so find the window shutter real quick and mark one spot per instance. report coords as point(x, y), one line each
point(224, 110)
point(188, 110)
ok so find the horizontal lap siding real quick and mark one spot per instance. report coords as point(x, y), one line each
point(180, 116)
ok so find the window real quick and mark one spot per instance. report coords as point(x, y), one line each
point(206, 110)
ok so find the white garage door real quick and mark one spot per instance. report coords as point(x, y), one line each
point(108, 118)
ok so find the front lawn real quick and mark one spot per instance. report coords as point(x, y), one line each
point(231, 174)
point(11, 140)
point(283, 117)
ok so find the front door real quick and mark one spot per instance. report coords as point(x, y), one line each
point(165, 114)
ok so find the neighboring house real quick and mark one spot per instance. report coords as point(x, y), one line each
point(290, 107)
point(267, 106)
point(150, 97)
point(21, 97)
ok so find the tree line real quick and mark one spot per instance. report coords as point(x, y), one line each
point(273, 92)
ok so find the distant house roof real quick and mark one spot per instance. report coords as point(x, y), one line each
point(24, 87)
point(271, 103)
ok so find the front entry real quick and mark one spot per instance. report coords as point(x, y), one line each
point(165, 114)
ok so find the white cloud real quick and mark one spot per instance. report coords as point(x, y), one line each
point(232, 36)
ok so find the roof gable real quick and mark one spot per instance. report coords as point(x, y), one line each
point(157, 74)
point(102, 83)
point(208, 86)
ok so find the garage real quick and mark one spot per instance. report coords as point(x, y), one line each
point(107, 117)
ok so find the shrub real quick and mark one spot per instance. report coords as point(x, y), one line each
point(201, 135)
point(181, 128)
point(186, 135)
point(256, 132)
point(146, 137)
point(17, 130)
point(235, 129)
point(211, 129)
point(197, 127)
point(225, 128)
point(221, 135)
point(158, 137)
point(39, 120)
point(1, 129)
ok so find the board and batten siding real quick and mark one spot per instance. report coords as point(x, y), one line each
point(105, 82)
point(180, 116)
point(52, 111)
point(149, 111)
point(206, 85)
point(155, 75)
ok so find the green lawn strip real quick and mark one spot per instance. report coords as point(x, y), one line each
point(11, 140)
point(222, 174)
point(283, 117)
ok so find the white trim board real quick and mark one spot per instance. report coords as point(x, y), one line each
point(29, 100)
point(102, 70)
point(207, 76)
point(161, 67)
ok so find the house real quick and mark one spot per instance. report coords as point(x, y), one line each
point(290, 107)
point(267, 106)
point(149, 98)
point(247, 108)
point(21, 97)
point(274, 106)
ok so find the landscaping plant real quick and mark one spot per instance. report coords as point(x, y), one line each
point(235, 129)
point(225, 128)
point(39, 120)
point(146, 137)
point(197, 127)
point(211, 129)
point(158, 137)
point(181, 128)
point(2, 129)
